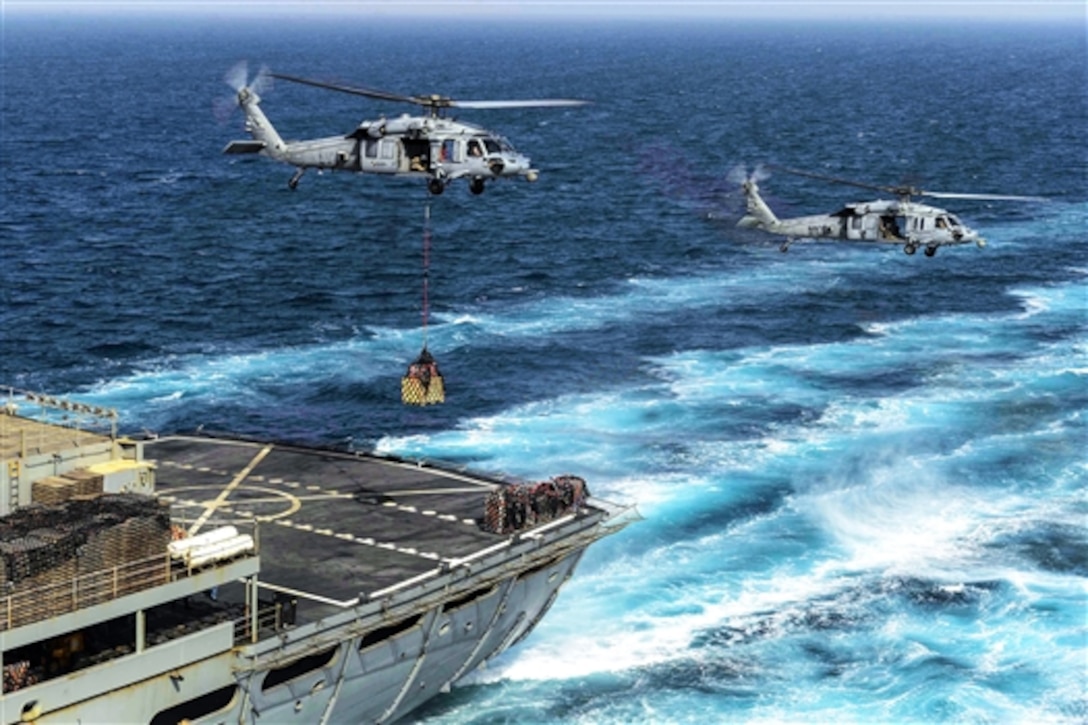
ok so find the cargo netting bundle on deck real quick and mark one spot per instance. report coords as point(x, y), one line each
point(519, 506)
point(45, 548)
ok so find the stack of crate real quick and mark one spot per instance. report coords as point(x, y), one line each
point(80, 483)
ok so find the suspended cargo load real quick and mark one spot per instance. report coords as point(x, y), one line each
point(422, 385)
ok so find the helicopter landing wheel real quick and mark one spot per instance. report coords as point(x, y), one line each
point(910, 249)
point(292, 183)
point(435, 186)
point(785, 247)
point(476, 186)
point(930, 251)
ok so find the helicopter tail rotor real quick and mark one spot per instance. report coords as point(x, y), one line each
point(238, 79)
point(741, 174)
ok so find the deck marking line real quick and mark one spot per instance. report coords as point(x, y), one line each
point(210, 509)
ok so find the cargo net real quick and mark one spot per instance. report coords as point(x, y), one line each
point(43, 545)
point(423, 385)
point(514, 507)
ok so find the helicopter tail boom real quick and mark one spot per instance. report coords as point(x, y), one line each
point(266, 139)
point(759, 215)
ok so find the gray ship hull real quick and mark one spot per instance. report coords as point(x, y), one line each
point(365, 585)
point(350, 682)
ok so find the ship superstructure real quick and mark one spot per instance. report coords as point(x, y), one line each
point(210, 580)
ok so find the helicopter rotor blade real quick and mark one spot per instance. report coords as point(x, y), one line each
point(837, 180)
point(354, 90)
point(433, 101)
point(528, 103)
point(995, 197)
point(907, 191)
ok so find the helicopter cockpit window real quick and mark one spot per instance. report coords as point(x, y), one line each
point(474, 148)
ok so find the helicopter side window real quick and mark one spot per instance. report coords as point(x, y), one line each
point(492, 146)
point(474, 148)
point(449, 150)
point(371, 148)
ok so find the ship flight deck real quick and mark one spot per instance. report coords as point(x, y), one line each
point(334, 526)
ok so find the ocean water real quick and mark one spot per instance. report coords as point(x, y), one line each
point(861, 474)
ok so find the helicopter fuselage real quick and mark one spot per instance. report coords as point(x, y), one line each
point(888, 221)
point(432, 147)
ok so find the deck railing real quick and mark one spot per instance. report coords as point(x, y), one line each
point(67, 592)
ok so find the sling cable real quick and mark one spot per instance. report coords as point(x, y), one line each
point(422, 384)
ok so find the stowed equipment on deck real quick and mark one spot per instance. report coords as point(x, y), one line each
point(514, 507)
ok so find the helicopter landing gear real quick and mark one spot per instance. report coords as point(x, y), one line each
point(930, 251)
point(910, 248)
point(785, 246)
point(476, 186)
point(435, 186)
point(293, 183)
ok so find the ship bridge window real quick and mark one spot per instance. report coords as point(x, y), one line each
point(197, 708)
point(383, 633)
point(298, 668)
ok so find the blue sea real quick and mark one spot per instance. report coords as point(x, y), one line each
point(861, 474)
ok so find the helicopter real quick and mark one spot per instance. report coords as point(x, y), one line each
point(428, 146)
point(896, 221)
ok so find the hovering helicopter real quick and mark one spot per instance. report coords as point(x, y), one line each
point(899, 221)
point(429, 146)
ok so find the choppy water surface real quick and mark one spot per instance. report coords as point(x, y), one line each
point(862, 473)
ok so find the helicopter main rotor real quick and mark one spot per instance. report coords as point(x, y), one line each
point(904, 193)
point(434, 103)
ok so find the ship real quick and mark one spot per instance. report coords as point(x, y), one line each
point(191, 578)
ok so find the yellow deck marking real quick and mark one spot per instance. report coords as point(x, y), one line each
point(210, 508)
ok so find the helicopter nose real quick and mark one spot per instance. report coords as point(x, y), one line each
point(518, 165)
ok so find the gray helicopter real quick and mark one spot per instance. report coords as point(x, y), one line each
point(897, 221)
point(429, 146)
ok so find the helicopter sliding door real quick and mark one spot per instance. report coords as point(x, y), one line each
point(381, 156)
point(860, 227)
